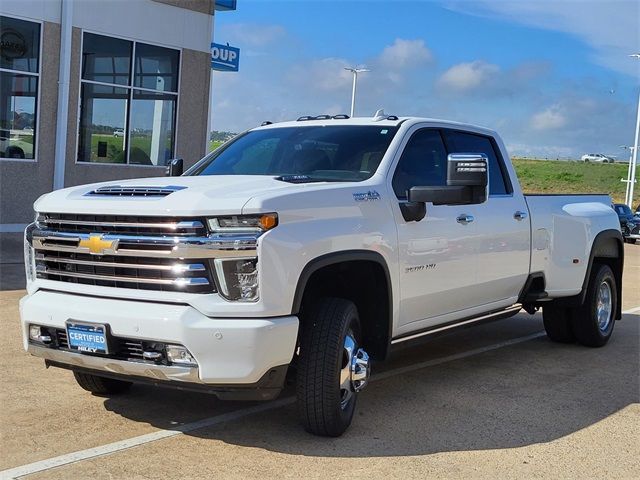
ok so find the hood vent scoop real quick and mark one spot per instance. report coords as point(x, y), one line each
point(134, 191)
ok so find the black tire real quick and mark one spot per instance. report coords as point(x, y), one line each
point(584, 321)
point(14, 152)
point(101, 385)
point(557, 323)
point(319, 398)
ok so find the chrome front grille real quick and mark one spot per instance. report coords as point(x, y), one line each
point(135, 252)
point(125, 272)
point(122, 224)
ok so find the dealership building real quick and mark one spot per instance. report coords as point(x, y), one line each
point(97, 90)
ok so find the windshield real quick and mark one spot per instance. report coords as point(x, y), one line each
point(310, 153)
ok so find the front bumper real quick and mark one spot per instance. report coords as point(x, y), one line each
point(229, 352)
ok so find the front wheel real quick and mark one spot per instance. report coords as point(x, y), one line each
point(332, 367)
point(592, 323)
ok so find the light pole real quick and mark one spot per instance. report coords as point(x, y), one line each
point(355, 72)
point(632, 170)
point(626, 180)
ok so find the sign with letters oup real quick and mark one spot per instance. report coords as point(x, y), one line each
point(225, 58)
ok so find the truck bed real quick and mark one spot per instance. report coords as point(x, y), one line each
point(562, 229)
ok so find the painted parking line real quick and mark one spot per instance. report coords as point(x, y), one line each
point(114, 447)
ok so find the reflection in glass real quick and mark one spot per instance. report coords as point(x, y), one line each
point(106, 59)
point(156, 68)
point(152, 124)
point(18, 94)
point(103, 123)
point(20, 45)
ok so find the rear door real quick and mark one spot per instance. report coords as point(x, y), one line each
point(502, 223)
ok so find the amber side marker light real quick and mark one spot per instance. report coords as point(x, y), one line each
point(268, 221)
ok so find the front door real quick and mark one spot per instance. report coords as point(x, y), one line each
point(438, 268)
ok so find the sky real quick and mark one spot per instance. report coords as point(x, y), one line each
point(552, 77)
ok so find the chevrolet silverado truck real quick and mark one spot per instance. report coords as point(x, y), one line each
point(304, 250)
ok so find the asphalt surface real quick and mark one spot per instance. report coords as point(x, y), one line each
point(492, 401)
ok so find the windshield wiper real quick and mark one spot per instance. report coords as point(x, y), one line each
point(309, 179)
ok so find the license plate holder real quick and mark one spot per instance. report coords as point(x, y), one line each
point(87, 337)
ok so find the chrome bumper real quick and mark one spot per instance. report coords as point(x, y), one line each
point(118, 367)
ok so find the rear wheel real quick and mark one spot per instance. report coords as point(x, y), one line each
point(557, 323)
point(101, 385)
point(593, 322)
point(332, 367)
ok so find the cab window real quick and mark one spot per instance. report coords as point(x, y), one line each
point(423, 163)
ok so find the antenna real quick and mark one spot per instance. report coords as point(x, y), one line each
point(379, 115)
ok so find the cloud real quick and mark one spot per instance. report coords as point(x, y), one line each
point(549, 119)
point(609, 27)
point(539, 108)
point(325, 74)
point(466, 77)
point(404, 53)
point(250, 34)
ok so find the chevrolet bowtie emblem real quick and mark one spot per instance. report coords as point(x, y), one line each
point(97, 245)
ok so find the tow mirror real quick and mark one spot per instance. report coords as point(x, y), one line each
point(175, 167)
point(467, 183)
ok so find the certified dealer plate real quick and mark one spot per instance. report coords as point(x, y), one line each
point(87, 337)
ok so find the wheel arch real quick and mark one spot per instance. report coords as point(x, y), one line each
point(608, 248)
point(377, 308)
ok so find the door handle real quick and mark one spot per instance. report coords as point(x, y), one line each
point(520, 215)
point(465, 219)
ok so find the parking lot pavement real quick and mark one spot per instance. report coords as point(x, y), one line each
point(497, 400)
point(12, 275)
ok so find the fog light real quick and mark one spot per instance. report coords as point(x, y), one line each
point(35, 334)
point(179, 355)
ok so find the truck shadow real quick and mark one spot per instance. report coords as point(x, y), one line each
point(528, 393)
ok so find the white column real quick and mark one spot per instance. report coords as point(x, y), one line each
point(62, 119)
point(634, 161)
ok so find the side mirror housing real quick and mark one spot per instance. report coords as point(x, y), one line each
point(467, 182)
point(175, 167)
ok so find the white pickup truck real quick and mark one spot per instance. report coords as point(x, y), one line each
point(309, 247)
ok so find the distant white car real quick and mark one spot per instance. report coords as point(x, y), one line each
point(597, 157)
point(118, 132)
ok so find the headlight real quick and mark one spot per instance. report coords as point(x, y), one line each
point(238, 278)
point(29, 255)
point(243, 223)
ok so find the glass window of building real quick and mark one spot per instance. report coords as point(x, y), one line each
point(19, 77)
point(127, 108)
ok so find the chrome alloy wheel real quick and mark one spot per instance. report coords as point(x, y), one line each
point(354, 371)
point(604, 306)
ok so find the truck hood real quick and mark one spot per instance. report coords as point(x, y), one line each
point(191, 196)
